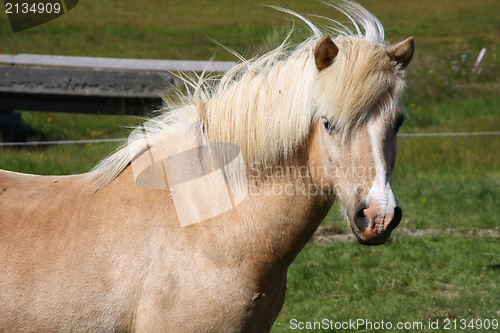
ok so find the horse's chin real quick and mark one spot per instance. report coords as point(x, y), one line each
point(371, 239)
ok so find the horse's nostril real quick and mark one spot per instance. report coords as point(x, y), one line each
point(361, 213)
point(361, 220)
point(398, 214)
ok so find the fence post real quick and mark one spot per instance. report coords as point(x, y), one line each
point(8, 122)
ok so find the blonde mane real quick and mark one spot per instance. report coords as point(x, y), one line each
point(267, 105)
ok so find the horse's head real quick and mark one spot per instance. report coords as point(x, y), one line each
point(353, 141)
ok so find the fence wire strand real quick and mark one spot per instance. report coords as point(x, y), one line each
point(68, 142)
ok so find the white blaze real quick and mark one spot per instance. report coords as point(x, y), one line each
point(380, 194)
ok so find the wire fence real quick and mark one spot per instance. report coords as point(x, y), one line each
point(65, 142)
point(449, 134)
point(69, 142)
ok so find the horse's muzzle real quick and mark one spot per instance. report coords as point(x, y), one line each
point(373, 229)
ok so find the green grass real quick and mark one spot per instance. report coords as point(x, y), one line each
point(64, 159)
point(179, 29)
point(409, 279)
point(441, 182)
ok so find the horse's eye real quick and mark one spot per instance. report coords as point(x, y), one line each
point(399, 122)
point(329, 126)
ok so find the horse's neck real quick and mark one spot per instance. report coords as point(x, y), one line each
point(283, 213)
point(268, 229)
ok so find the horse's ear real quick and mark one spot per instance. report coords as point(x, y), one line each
point(325, 52)
point(402, 52)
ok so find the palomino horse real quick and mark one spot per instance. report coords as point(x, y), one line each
point(102, 253)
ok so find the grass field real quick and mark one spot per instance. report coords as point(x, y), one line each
point(448, 187)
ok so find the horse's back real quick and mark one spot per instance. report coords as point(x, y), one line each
point(20, 185)
point(26, 198)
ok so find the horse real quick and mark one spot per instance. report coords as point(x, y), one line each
point(192, 224)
